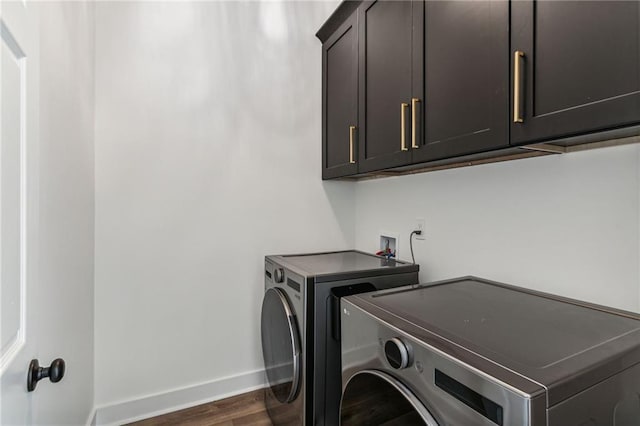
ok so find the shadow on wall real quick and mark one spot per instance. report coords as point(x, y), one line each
point(341, 198)
point(274, 38)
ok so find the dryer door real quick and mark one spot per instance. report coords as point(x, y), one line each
point(372, 397)
point(280, 345)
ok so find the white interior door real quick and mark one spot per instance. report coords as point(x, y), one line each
point(18, 208)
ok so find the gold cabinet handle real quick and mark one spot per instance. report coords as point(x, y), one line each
point(403, 126)
point(414, 123)
point(517, 77)
point(352, 129)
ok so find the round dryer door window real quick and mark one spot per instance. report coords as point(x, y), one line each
point(375, 398)
point(280, 345)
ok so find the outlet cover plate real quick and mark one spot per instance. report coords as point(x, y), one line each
point(420, 225)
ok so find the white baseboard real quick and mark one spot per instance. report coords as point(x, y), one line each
point(177, 399)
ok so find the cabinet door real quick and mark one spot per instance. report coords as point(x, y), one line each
point(385, 83)
point(579, 70)
point(466, 83)
point(340, 101)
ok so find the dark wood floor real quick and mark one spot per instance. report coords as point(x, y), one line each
point(241, 410)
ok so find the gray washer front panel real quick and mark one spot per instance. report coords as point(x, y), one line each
point(363, 339)
point(319, 397)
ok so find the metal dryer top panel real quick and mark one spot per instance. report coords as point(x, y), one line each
point(342, 265)
point(562, 344)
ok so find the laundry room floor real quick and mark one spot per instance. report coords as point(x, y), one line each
point(240, 410)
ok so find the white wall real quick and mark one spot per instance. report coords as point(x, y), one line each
point(66, 204)
point(207, 159)
point(567, 224)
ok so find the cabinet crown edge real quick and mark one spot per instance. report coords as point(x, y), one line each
point(344, 10)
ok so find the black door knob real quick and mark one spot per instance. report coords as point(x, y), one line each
point(54, 372)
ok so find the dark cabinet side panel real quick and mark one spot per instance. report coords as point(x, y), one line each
point(466, 94)
point(385, 82)
point(581, 67)
point(340, 108)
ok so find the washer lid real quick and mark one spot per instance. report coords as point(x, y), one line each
point(562, 344)
point(333, 266)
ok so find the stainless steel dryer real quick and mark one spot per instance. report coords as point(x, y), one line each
point(301, 327)
point(475, 352)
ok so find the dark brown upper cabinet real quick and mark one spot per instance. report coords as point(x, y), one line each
point(340, 101)
point(575, 68)
point(429, 84)
point(386, 56)
point(463, 101)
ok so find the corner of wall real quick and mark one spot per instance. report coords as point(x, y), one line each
point(93, 18)
point(638, 212)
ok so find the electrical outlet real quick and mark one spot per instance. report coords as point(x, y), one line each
point(420, 226)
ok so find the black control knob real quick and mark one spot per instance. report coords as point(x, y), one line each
point(397, 353)
point(55, 372)
point(278, 275)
